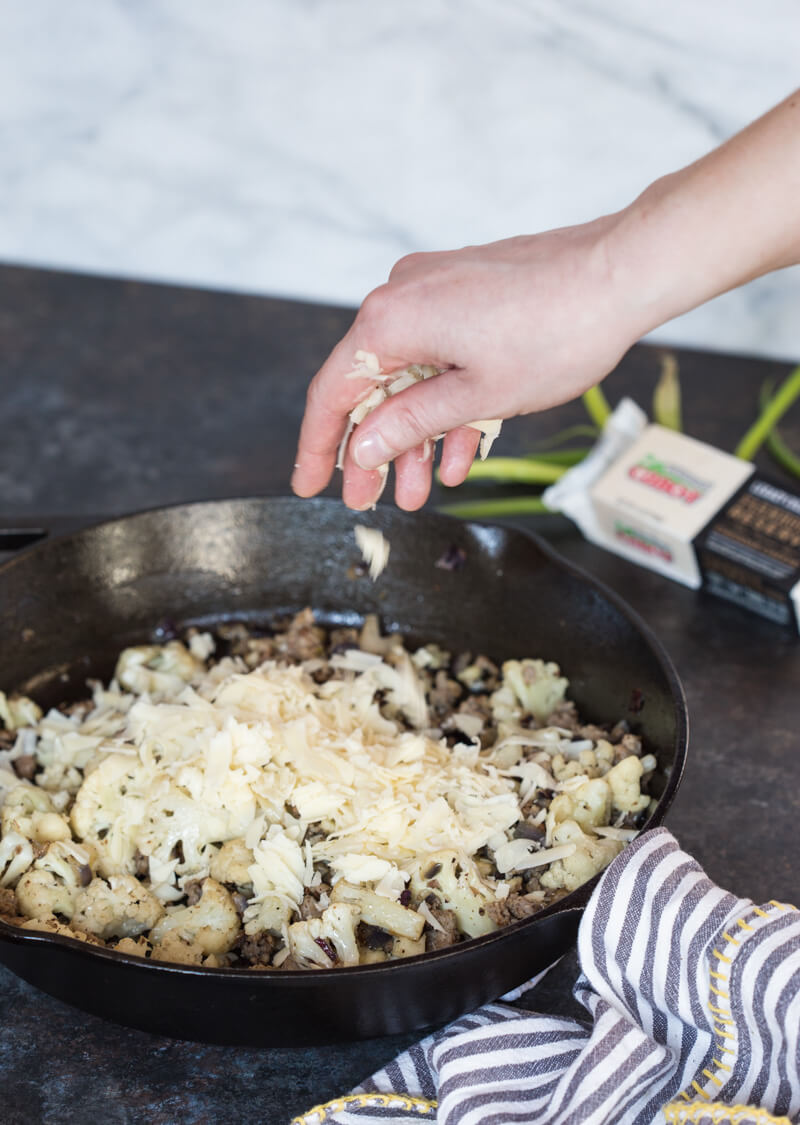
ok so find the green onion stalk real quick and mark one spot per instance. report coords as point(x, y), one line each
point(667, 395)
point(770, 415)
point(488, 509)
point(785, 457)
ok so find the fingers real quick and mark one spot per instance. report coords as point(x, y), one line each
point(330, 398)
point(458, 453)
point(413, 475)
point(361, 490)
point(333, 392)
point(416, 415)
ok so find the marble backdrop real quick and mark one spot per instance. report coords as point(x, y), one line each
point(297, 147)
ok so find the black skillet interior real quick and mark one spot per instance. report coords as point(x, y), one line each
point(68, 606)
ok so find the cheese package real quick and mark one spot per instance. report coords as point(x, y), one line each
point(689, 511)
point(659, 495)
point(750, 552)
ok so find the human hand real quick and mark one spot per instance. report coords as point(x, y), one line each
point(517, 326)
point(528, 323)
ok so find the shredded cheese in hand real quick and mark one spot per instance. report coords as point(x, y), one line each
point(386, 385)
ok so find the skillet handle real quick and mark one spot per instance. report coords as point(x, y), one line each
point(18, 536)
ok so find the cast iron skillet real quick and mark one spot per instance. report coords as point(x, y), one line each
point(69, 605)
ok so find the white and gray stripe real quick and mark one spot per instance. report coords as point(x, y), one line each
point(693, 999)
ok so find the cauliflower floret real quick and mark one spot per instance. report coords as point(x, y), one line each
point(604, 753)
point(212, 923)
point(50, 925)
point(51, 886)
point(122, 908)
point(459, 887)
point(232, 862)
point(71, 862)
point(97, 813)
point(588, 805)
point(591, 855)
point(18, 711)
point(157, 669)
point(41, 893)
point(136, 947)
point(327, 941)
point(179, 949)
point(30, 811)
point(529, 687)
point(16, 856)
point(624, 778)
point(271, 914)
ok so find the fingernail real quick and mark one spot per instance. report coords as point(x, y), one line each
point(371, 451)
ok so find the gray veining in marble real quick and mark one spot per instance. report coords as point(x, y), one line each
point(298, 148)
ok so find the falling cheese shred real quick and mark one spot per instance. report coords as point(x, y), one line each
point(374, 547)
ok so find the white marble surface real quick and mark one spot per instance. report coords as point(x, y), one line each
point(296, 147)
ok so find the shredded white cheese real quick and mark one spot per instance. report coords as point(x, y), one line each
point(374, 547)
point(263, 755)
point(387, 384)
point(344, 790)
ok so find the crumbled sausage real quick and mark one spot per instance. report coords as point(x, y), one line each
point(194, 891)
point(257, 651)
point(25, 766)
point(629, 745)
point(436, 939)
point(304, 640)
point(240, 900)
point(258, 949)
point(309, 907)
point(444, 694)
point(373, 937)
point(564, 716)
point(513, 908)
point(141, 865)
point(233, 633)
point(8, 902)
point(341, 639)
point(527, 830)
point(593, 731)
point(476, 705)
point(81, 708)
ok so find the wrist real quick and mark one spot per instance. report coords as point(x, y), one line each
point(716, 224)
point(650, 254)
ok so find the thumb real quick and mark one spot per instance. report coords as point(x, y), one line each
point(421, 412)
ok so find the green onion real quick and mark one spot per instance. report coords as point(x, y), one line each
point(568, 457)
point(667, 395)
point(516, 470)
point(596, 404)
point(584, 430)
point(769, 416)
point(507, 506)
point(774, 442)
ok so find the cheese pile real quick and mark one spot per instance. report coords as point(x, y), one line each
point(261, 755)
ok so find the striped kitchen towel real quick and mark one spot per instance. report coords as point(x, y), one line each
point(692, 1000)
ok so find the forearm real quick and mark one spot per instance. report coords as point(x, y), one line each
point(716, 224)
